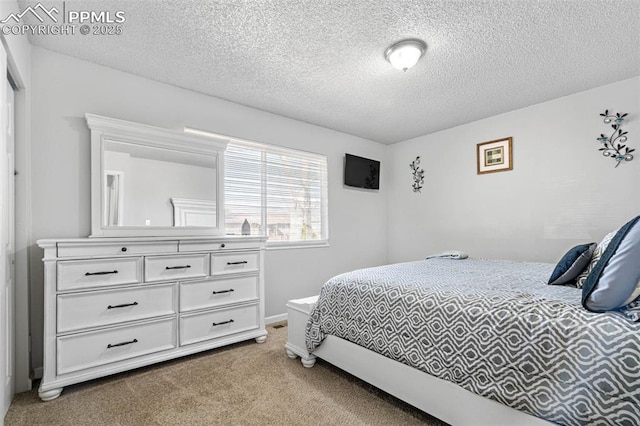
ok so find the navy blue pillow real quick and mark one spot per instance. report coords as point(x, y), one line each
point(572, 264)
point(615, 279)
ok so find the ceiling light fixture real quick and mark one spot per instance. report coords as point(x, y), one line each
point(405, 53)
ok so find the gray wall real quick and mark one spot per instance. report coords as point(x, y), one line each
point(561, 190)
point(67, 88)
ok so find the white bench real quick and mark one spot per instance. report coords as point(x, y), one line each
point(297, 316)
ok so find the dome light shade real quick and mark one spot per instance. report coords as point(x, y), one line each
point(405, 54)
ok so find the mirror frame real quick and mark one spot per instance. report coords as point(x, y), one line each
point(104, 129)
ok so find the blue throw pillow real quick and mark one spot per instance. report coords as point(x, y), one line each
point(614, 281)
point(572, 264)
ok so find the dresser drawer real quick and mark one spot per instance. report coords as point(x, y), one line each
point(76, 274)
point(228, 263)
point(211, 293)
point(187, 246)
point(221, 322)
point(87, 350)
point(115, 248)
point(164, 268)
point(84, 310)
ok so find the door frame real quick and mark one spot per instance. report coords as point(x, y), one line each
point(7, 316)
point(23, 234)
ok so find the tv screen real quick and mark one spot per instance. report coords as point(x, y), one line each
point(361, 172)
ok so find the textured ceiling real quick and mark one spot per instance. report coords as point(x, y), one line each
point(322, 61)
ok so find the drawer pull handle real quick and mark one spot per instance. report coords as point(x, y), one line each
point(123, 305)
point(223, 322)
point(237, 263)
point(109, 346)
point(100, 273)
point(223, 291)
point(178, 267)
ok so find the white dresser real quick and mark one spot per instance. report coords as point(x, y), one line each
point(114, 304)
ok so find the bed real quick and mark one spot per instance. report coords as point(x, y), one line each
point(487, 335)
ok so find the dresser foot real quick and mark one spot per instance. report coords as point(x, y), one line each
point(50, 394)
point(261, 339)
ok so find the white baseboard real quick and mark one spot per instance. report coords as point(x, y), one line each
point(37, 373)
point(276, 318)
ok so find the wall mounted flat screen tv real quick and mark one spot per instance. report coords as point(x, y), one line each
point(361, 172)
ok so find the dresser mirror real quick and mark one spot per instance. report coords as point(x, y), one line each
point(148, 181)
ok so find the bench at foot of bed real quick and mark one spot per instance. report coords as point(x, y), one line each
point(297, 315)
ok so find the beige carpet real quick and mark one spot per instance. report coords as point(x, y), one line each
point(242, 384)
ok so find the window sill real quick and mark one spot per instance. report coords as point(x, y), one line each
point(296, 245)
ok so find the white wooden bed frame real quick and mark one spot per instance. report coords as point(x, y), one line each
point(440, 398)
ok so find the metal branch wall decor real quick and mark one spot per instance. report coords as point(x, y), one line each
point(418, 175)
point(614, 145)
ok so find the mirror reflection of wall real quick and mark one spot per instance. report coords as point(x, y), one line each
point(153, 177)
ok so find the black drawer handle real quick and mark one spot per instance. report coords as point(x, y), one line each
point(123, 305)
point(223, 322)
point(109, 346)
point(223, 291)
point(178, 267)
point(100, 273)
point(237, 263)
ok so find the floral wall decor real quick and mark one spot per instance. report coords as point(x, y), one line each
point(614, 146)
point(418, 175)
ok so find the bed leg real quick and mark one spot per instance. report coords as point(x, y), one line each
point(308, 362)
point(294, 352)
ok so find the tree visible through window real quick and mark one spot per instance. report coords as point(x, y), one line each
point(282, 193)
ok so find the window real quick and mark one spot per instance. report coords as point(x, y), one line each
point(282, 193)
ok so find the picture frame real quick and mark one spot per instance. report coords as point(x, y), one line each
point(495, 156)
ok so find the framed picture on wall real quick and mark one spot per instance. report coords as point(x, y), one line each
point(495, 156)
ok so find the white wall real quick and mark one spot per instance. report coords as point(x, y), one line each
point(561, 190)
point(67, 88)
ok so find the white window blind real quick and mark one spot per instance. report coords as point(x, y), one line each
point(281, 192)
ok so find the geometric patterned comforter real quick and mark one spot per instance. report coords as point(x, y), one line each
point(494, 328)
